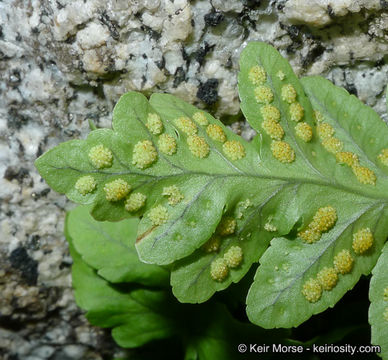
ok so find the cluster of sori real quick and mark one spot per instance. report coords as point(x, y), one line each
point(271, 125)
point(232, 258)
point(386, 301)
point(271, 115)
point(335, 146)
point(327, 278)
point(145, 154)
point(323, 220)
point(101, 157)
point(197, 144)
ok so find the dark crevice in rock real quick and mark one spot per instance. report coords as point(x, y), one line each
point(214, 18)
point(28, 267)
point(110, 24)
point(179, 76)
point(161, 63)
point(12, 173)
point(16, 120)
point(315, 51)
point(351, 88)
point(151, 33)
point(201, 53)
point(330, 12)
point(208, 91)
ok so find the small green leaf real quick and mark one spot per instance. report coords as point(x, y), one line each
point(378, 296)
point(92, 125)
point(136, 316)
point(110, 248)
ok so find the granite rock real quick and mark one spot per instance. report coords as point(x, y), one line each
point(64, 62)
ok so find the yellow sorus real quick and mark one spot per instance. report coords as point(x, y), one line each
point(227, 226)
point(325, 131)
point(219, 269)
point(85, 184)
point(296, 111)
point(324, 219)
point(364, 175)
point(100, 156)
point(212, 245)
point(312, 290)
point(386, 294)
point(154, 124)
point(200, 118)
point(318, 116)
point(174, 194)
point(362, 241)
point(332, 145)
point(233, 256)
point(246, 203)
point(270, 227)
point(257, 75)
point(309, 236)
point(343, 262)
point(158, 215)
point(304, 131)
point(216, 133)
point(347, 157)
point(386, 314)
point(167, 144)
point(233, 149)
point(282, 151)
point(383, 157)
point(288, 93)
point(144, 154)
point(116, 190)
point(273, 129)
point(280, 74)
point(186, 125)
point(263, 94)
point(328, 278)
point(198, 146)
point(270, 112)
point(135, 202)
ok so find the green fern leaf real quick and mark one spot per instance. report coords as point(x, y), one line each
point(340, 168)
point(314, 178)
point(109, 248)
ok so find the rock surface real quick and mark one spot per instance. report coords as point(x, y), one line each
point(64, 62)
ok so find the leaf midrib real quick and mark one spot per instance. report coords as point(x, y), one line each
point(288, 180)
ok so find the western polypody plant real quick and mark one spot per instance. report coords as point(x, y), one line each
point(307, 198)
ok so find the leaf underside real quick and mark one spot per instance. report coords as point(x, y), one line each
point(275, 298)
point(271, 201)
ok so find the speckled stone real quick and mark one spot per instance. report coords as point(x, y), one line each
point(64, 62)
